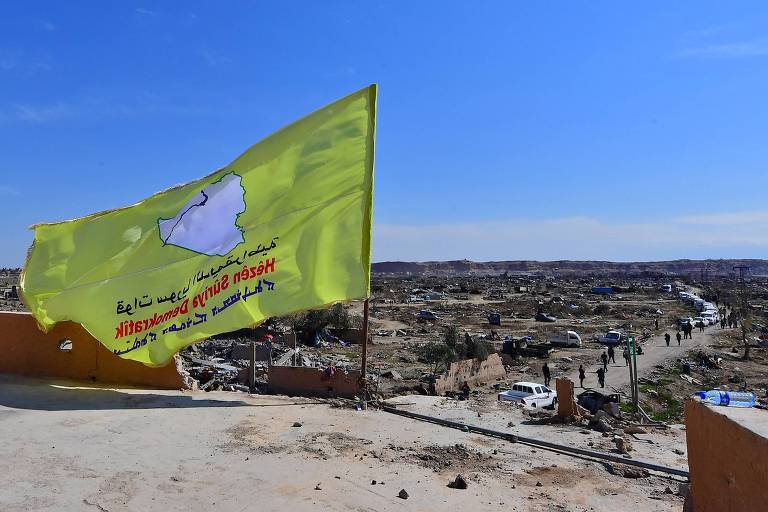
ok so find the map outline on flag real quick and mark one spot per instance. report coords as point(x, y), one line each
point(211, 225)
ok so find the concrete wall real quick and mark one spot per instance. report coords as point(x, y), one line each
point(352, 336)
point(26, 350)
point(727, 458)
point(471, 371)
point(303, 381)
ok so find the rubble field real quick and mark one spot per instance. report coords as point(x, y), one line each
point(239, 435)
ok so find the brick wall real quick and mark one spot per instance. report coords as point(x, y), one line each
point(303, 381)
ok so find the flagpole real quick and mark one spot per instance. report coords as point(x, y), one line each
point(364, 364)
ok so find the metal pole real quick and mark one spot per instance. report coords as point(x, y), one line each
point(634, 362)
point(252, 372)
point(364, 365)
point(631, 374)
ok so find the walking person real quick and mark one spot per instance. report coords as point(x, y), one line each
point(611, 354)
point(581, 375)
point(656, 323)
point(601, 377)
point(678, 338)
point(626, 356)
point(701, 326)
point(604, 359)
point(666, 338)
point(545, 371)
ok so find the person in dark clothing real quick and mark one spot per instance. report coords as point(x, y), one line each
point(722, 323)
point(545, 371)
point(656, 323)
point(601, 377)
point(701, 326)
point(666, 338)
point(581, 375)
point(626, 356)
point(678, 338)
point(611, 354)
point(604, 359)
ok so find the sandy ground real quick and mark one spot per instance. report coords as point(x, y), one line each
point(68, 447)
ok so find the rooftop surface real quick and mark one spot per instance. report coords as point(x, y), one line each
point(73, 447)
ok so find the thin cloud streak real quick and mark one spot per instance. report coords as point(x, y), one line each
point(8, 191)
point(739, 49)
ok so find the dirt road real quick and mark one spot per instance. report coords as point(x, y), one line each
point(655, 351)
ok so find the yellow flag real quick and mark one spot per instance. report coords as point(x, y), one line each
point(285, 227)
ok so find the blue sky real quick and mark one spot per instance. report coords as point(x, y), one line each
point(507, 130)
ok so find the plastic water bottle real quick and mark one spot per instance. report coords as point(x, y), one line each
point(728, 398)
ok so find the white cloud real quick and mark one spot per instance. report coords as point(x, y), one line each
point(43, 25)
point(576, 238)
point(141, 11)
point(727, 219)
point(213, 59)
point(93, 107)
point(39, 113)
point(722, 41)
point(753, 48)
point(19, 61)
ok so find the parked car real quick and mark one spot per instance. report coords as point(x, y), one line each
point(685, 320)
point(712, 317)
point(543, 317)
point(593, 400)
point(426, 314)
point(611, 338)
point(530, 394)
point(564, 338)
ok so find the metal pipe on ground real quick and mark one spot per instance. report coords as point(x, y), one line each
point(537, 442)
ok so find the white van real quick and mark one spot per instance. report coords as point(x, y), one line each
point(564, 338)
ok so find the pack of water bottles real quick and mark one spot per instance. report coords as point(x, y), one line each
point(728, 398)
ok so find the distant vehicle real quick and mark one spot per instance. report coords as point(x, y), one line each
point(530, 394)
point(712, 317)
point(611, 338)
point(700, 322)
point(594, 401)
point(602, 290)
point(543, 317)
point(426, 314)
point(685, 320)
point(667, 288)
point(494, 318)
point(564, 338)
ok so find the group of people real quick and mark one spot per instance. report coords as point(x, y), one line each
point(668, 338)
point(731, 321)
point(605, 358)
